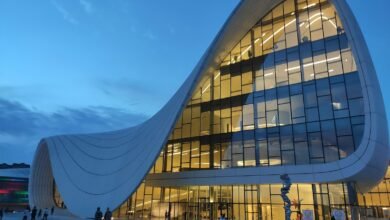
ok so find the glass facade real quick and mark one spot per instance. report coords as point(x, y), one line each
point(288, 93)
point(236, 202)
point(257, 202)
point(377, 202)
point(253, 202)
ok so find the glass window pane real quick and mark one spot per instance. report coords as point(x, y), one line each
point(236, 83)
point(346, 146)
point(315, 144)
point(297, 106)
point(225, 88)
point(284, 114)
point(325, 107)
point(339, 96)
point(301, 153)
point(248, 117)
point(328, 133)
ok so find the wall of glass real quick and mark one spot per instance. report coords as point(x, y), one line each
point(254, 202)
point(377, 202)
point(318, 201)
point(257, 202)
point(288, 93)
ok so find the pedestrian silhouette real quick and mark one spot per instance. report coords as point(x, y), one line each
point(33, 213)
point(98, 214)
point(52, 210)
point(25, 216)
point(45, 214)
point(108, 214)
point(40, 213)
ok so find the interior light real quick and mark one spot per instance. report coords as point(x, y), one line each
point(309, 6)
point(197, 155)
point(319, 18)
point(279, 30)
point(246, 50)
point(216, 76)
point(207, 87)
point(330, 21)
point(315, 15)
point(312, 22)
point(313, 63)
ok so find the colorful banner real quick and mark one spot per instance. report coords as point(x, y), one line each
point(13, 191)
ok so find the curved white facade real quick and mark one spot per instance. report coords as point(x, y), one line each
point(104, 169)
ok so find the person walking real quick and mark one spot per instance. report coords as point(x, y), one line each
point(107, 214)
point(34, 213)
point(1, 214)
point(52, 210)
point(25, 215)
point(98, 214)
point(45, 214)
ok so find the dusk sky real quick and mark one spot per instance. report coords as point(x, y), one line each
point(76, 66)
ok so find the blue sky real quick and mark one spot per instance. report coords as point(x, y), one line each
point(70, 66)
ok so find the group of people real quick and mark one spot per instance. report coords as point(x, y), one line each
point(39, 214)
point(99, 214)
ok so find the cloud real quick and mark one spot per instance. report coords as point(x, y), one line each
point(65, 13)
point(126, 88)
point(21, 128)
point(87, 6)
point(5, 90)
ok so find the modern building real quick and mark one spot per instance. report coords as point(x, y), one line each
point(14, 186)
point(286, 87)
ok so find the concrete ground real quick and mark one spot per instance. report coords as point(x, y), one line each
point(58, 215)
point(19, 216)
